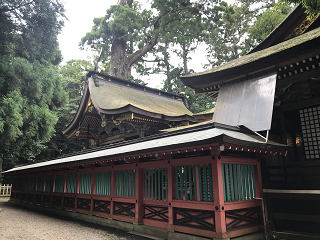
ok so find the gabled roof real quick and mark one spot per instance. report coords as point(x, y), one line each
point(193, 136)
point(113, 97)
point(254, 61)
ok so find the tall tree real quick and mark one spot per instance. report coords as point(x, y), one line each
point(312, 7)
point(265, 24)
point(73, 80)
point(30, 88)
point(30, 96)
point(29, 29)
point(128, 33)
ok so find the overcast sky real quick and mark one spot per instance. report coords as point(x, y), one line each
point(80, 16)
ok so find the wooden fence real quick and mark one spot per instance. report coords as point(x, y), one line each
point(5, 190)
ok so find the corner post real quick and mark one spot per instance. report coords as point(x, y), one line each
point(220, 215)
point(171, 182)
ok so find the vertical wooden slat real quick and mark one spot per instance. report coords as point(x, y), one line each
point(245, 182)
point(249, 181)
point(239, 172)
point(159, 185)
point(129, 183)
point(190, 181)
point(226, 168)
point(235, 183)
point(117, 183)
point(200, 181)
point(224, 183)
point(195, 182)
point(166, 181)
point(176, 168)
point(253, 182)
point(152, 169)
point(243, 190)
point(155, 184)
point(145, 184)
point(181, 181)
point(210, 183)
point(231, 182)
point(162, 183)
point(185, 173)
point(122, 182)
point(149, 180)
point(205, 180)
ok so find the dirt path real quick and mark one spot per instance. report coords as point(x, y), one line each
point(21, 223)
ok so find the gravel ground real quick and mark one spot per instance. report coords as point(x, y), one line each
point(21, 223)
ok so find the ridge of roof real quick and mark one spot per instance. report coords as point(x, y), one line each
point(209, 133)
point(296, 13)
point(262, 54)
point(123, 82)
point(110, 96)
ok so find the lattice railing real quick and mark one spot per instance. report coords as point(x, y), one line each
point(194, 182)
point(156, 184)
point(238, 182)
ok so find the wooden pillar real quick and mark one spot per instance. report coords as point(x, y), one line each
point(113, 190)
point(64, 187)
point(171, 182)
point(77, 189)
point(220, 216)
point(54, 182)
point(258, 180)
point(139, 193)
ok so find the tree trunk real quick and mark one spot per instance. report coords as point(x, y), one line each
point(185, 59)
point(118, 62)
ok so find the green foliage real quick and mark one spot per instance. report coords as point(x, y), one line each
point(265, 24)
point(312, 7)
point(120, 21)
point(227, 30)
point(29, 29)
point(73, 80)
point(30, 95)
point(196, 103)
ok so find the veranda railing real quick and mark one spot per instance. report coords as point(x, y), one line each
point(5, 190)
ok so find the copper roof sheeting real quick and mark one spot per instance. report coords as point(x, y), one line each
point(209, 133)
point(111, 96)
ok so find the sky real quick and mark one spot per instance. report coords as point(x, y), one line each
point(80, 16)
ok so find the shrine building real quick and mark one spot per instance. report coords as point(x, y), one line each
point(157, 168)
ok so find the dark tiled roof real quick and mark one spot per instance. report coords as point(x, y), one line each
point(196, 135)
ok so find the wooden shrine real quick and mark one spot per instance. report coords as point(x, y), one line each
point(113, 110)
point(292, 54)
point(202, 179)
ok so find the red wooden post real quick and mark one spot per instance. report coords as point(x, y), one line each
point(258, 180)
point(139, 193)
point(113, 190)
point(198, 183)
point(54, 183)
point(77, 189)
point(64, 187)
point(171, 183)
point(220, 216)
